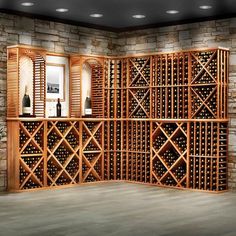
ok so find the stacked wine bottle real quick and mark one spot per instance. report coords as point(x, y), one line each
point(92, 151)
point(63, 153)
point(97, 90)
point(169, 153)
point(138, 145)
point(139, 87)
point(31, 155)
point(170, 87)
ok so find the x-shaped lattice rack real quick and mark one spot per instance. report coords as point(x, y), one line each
point(178, 129)
point(73, 152)
point(37, 158)
point(93, 136)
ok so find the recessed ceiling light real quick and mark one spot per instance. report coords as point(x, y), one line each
point(138, 16)
point(205, 7)
point(172, 12)
point(62, 10)
point(96, 15)
point(27, 4)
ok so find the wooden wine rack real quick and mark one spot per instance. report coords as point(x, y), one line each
point(138, 87)
point(63, 153)
point(160, 119)
point(92, 151)
point(169, 153)
point(114, 152)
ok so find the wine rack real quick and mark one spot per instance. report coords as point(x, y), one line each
point(31, 149)
point(159, 119)
point(97, 89)
point(169, 153)
point(92, 151)
point(138, 86)
point(208, 156)
point(114, 152)
point(114, 88)
point(63, 153)
point(170, 86)
point(204, 85)
point(138, 151)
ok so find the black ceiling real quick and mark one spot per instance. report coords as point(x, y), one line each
point(117, 14)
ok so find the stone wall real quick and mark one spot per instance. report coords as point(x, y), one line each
point(60, 38)
point(55, 37)
point(207, 34)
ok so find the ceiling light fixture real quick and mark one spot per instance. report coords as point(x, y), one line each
point(96, 15)
point(27, 4)
point(61, 10)
point(205, 7)
point(172, 12)
point(138, 16)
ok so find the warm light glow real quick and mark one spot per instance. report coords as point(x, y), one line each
point(172, 12)
point(138, 16)
point(205, 7)
point(96, 15)
point(62, 10)
point(27, 4)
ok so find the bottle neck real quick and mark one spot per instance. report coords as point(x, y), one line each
point(88, 95)
point(26, 90)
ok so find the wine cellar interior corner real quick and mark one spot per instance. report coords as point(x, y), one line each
point(157, 119)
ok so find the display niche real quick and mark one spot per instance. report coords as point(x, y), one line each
point(26, 67)
point(86, 81)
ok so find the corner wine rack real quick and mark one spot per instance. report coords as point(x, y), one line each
point(159, 119)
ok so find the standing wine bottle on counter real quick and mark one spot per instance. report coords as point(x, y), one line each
point(58, 107)
point(88, 105)
point(26, 110)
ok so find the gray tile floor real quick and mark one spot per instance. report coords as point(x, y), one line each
point(117, 209)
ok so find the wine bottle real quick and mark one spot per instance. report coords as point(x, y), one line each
point(58, 107)
point(87, 105)
point(26, 103)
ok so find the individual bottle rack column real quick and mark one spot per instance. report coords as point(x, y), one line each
point(63, 158)
point(138, 154)
point(169, 153)
point(222, 71)
point(113, 90)
point(208, 156)
point(113, 153)
point(124, 143)
point(32, 157)
point(97, 89)
point(170, 86)
point(124, 91)
point(92, 151)
point(138, 86)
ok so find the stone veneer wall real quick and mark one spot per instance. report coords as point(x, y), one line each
point(62, 38)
